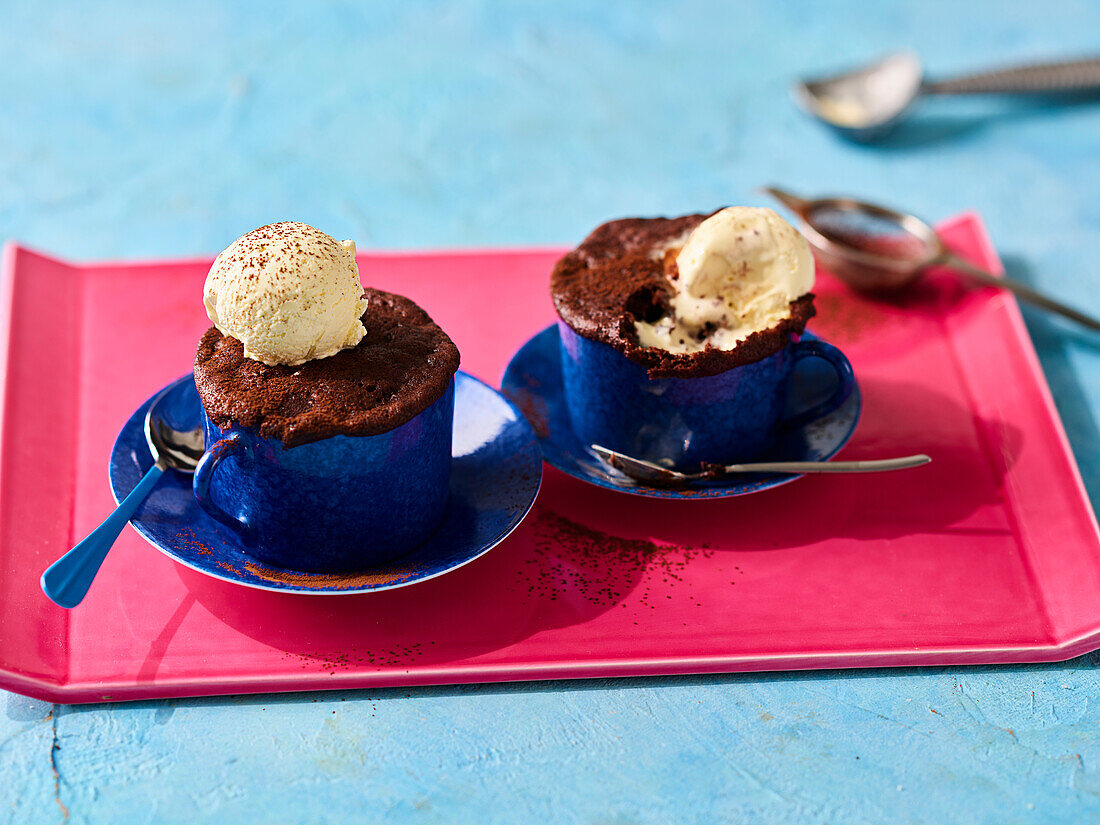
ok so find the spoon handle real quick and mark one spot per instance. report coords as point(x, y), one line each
point(1023, 291)
point(1068, 76)
point(876, 466)
point(67, 580)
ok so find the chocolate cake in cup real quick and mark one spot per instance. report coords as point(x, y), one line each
point(679, 336)
point(327, 408)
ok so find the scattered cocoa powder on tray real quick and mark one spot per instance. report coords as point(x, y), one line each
point(354, 658)
point(600, 567)
point(846, 317)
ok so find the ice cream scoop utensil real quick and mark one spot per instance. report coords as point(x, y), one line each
point(876, 249)
point(651, 473)
point(174, 444)
point(864, 103)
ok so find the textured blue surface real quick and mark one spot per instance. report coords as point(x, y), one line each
point(494, 478)
point(371, 498)
point(152, 130)
point(725, 418)
point(533, 380)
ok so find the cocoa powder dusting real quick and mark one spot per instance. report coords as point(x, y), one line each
point(228, 568)
point(355, 659)
point(600, 567)
point(189, 541)
point(846, 317)
point(534, 410)
point(333, 581)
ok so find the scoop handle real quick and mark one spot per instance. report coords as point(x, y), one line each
point(878, 465)
point(1022, 291)
point(1035, 78)
point(67, 580)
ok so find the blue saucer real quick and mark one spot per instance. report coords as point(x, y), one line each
point(495, 476)
point(533, 382)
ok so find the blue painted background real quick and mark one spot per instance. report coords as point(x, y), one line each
point(147, 131)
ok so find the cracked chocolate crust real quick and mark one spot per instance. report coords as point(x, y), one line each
point(400, 368)
point(614, 279)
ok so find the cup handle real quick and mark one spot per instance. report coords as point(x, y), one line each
point(846, 381)
point(204, 474)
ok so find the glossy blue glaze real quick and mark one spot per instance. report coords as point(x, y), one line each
point(338, 504)
point(534, 381)
point(725, 418)
point(496, 469)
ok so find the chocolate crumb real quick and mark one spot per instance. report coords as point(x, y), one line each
point(401, 366)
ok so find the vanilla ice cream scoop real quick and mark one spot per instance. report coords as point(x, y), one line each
point(738, 272)
point(288, 292)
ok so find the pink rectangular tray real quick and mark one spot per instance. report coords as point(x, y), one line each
point(990, 554)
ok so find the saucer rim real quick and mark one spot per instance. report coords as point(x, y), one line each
point(298, 590)
point(712, 490)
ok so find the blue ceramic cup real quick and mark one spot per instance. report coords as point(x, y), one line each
point(726, 418)
point(339, 504)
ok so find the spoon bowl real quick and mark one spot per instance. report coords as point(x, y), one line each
point(176, 442)
point(173, 433)
point(865, 102)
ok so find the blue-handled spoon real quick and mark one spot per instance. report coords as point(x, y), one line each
point(175, 443)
